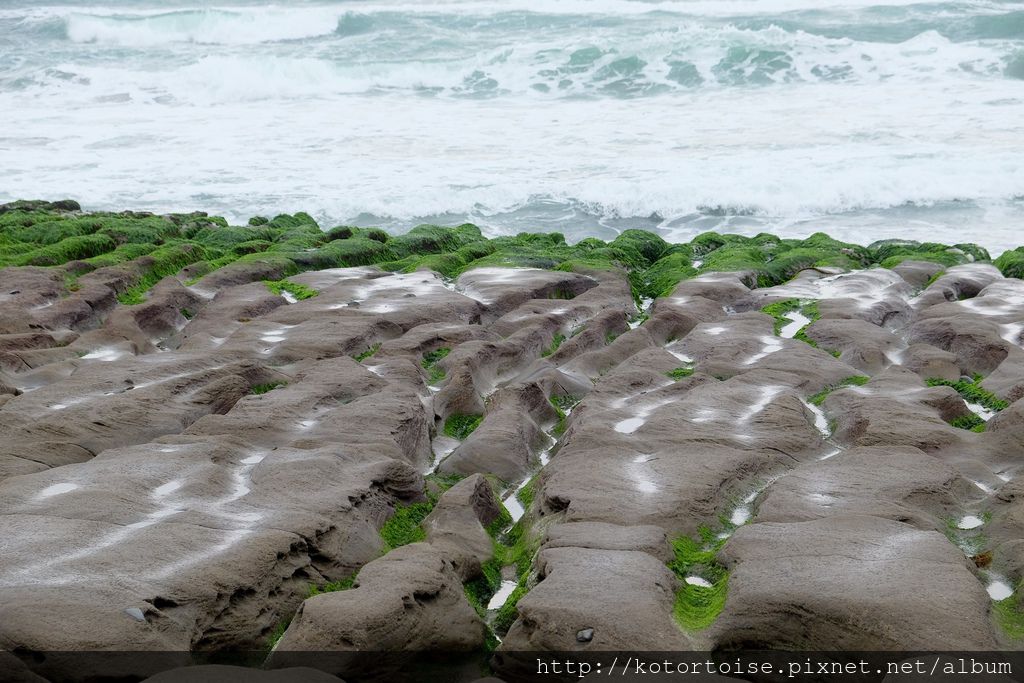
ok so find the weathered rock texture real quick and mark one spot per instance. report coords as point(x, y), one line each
point(834, 459)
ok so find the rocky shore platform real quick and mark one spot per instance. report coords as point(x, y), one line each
point(279, 439)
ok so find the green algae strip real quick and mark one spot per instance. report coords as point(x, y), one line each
point(461, 426)
point(405, 525)
point(360, 357)
point(435, 373)
point(698, 605)
point(300, 292)
point(852, 381)
point(54, 234)
point(972, 392)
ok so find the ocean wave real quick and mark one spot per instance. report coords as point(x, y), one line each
point(694, 57)
point(241, 26)
point(891, 21)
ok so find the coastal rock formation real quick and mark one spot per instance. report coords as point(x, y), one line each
point(351, 441)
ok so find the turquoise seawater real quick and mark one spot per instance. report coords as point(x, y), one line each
point(863, 118)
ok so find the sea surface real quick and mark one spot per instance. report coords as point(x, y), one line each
point(863, 118)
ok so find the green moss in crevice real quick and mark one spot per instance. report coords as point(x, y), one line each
point(300, 292)
point(430, 361)
point(277, 633)
point(1009, 615)
point(525, 495)
point(679, 373)
point(332, 586)
point(556, 341)
point(404, 526)
point(499, 523)
point(697, 607)
point(460, 426)
point(778, 311)
point(480, 590)
point(972, 423)
point(972, 392)
point(852, 381)
point(360, 357)
point(260, 389)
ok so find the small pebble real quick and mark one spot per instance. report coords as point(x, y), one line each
point(585, 636)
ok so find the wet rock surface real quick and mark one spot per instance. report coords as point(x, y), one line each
point(516, 458)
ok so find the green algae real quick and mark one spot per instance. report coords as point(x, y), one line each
point(53, 234)
point(261, 389)
point(430, 364)
point(696, 607)
point(852, 381)
point(679, 373)
point(360, 357)
point(405, 524)
point(332, 586)
point(972, 392)
point(1010, 616)
point(556, 341)
point(300, 292)
point(461, 426)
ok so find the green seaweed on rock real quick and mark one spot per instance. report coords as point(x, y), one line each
point(430, 364)
point(332, 586)
point(679, 373)
point(852, 381)
point(460, 426)
point(260, 389)
point(1010, 616)
point(972, 392)
point(297, 290)
point(698, 605)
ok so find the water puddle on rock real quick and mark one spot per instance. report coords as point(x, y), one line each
point(57, 489)
point(167, 488)
point(998, 589)
point(771, 345)
point(442, 447)
point(820, 421)
point(499, 599)
point(968, 522)
point(629, 425)
point(105, 355)
point(981, 411)
point(797, 322)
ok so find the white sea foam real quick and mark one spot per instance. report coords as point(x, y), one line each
point(393, 113)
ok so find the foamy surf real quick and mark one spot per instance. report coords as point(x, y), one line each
point(778, 115)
